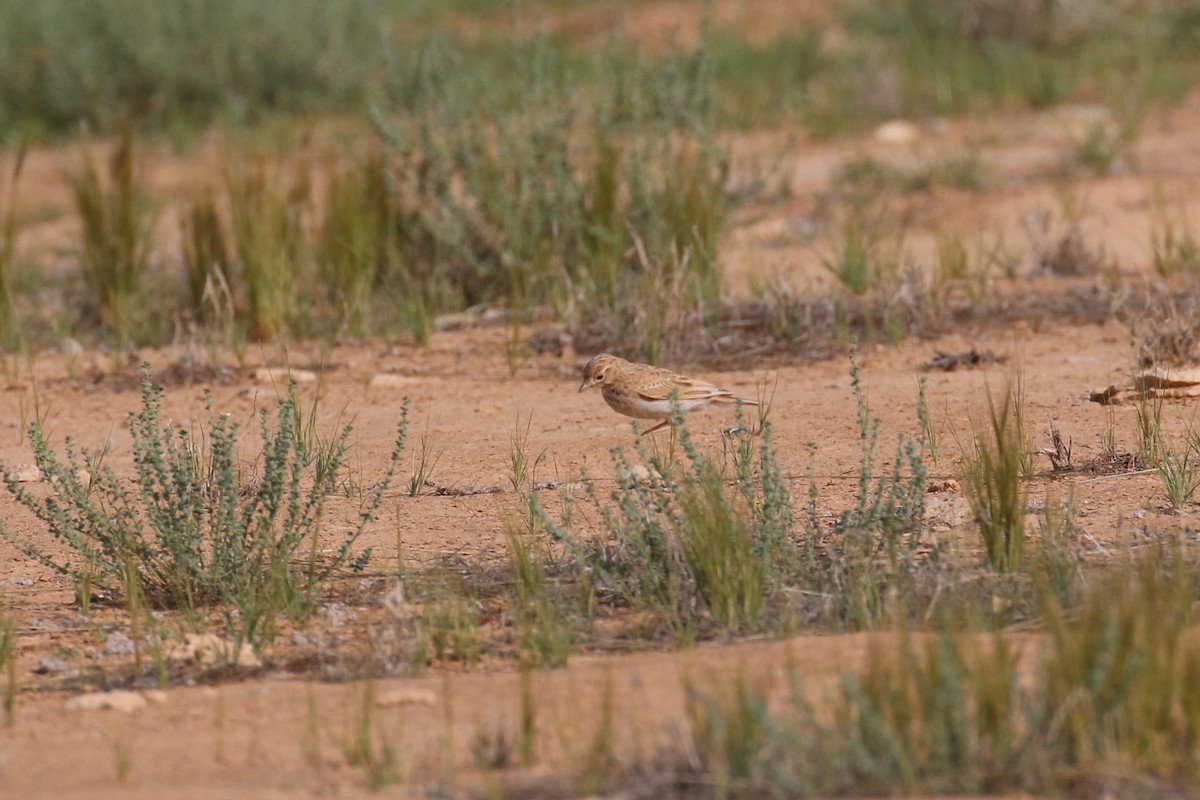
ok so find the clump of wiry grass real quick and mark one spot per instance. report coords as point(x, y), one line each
point(202, 528)
point(541, 611)
point(356, 239)
point(369, 747)
point(1179, 471)
point(450, 629)
point(1119, 683)
point(731, 734)
point(8, 663)
point(208, 262)
point(8, 246)
point(993, 478)
point(268, 208)
point(1173, 247)
point(117, 227)
point(859, 256)
point(1166, 332)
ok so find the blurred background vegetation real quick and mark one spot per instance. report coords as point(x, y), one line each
point(191, 62)
point(496, 157)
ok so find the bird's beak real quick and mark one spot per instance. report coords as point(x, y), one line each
point(586, 384)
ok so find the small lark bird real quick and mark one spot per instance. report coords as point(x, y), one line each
point(643, 391)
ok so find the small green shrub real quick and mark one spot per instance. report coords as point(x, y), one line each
point(202, 528)
point(679, 543)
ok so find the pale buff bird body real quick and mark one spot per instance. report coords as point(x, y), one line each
point(643, 391)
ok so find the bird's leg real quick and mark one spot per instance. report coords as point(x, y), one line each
point(657, 427)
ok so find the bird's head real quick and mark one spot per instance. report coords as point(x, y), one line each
point(602, 369)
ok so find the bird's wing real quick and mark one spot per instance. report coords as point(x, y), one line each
point(690, 390)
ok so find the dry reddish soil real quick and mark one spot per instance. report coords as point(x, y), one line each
point(279, 731)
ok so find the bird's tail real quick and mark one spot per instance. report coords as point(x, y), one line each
point(731, 399)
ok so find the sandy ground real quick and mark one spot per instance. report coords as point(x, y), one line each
point(280, 733)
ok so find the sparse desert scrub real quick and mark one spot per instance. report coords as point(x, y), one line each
point(1109, 701)
point(585, 204)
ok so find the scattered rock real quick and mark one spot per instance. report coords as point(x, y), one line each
point(304, 639)
point(394, 600)
point(27, 473)
point(638, 474)
point(210, 649)
point(70, 348)
point(947, 511)
point(117, 644)
point(444, 490)
point(455, 321)
point(118, 700)
point(48, 665)
point(550, 342)
point(897, 131)
point(390, 380)
point(279, 376)
point(406, 696)
point(336, 614)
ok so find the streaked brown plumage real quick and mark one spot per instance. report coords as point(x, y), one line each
point(643, 391)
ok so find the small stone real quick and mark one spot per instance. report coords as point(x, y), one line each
point(118, 644)
point(304, 639)
point(279, 376)
point(27, 473)
point(336, 614)
point(897, 131)
point(70, 348)
point(208, 648)
point(638, 473)
point(48, 665)
point(406, 696)
point(118, 700)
